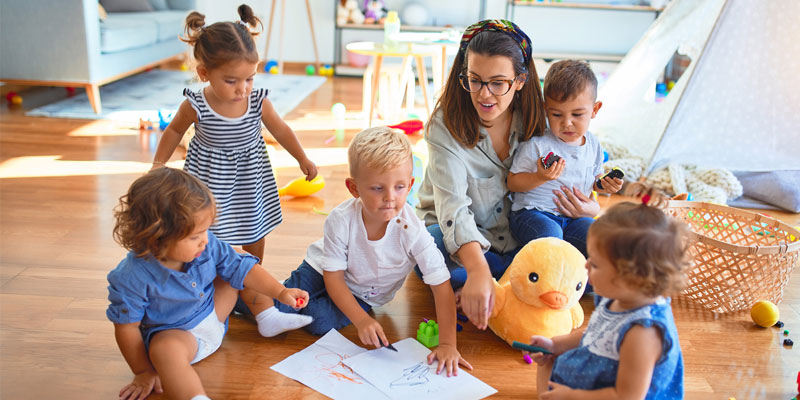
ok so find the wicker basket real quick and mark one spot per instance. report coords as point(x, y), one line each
point(739, 257)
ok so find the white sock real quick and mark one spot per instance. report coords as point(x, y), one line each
point(272, 322)
point(201, 397)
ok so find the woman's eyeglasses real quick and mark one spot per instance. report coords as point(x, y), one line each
point(497, 87)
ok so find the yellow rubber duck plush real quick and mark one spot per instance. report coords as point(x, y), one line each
point(539, 292)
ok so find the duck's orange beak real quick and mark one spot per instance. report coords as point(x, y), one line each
point(554, 299)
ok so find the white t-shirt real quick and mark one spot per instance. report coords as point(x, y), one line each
point(583, 164)
point(376, 269)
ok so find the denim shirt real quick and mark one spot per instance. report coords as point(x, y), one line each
point(142, 290)
point(464, 189)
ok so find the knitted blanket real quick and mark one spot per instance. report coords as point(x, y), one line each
point(716, 185)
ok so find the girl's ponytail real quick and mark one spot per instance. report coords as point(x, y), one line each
point(194, 27)
point(246, 15)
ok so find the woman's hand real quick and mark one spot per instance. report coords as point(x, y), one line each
point(449, 359)
point(371, 332)
point(143, 384)
point(309, 168)
point(477, 297)
point(574, 204)
point(293, 297)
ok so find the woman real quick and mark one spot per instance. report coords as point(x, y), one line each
point(490, 103)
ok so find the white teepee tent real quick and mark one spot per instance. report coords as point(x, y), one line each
point(736, 105)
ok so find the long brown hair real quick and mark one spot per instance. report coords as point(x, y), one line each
point(222, 42)
point(458, 112)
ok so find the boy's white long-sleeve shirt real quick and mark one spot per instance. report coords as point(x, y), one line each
point(376, 269)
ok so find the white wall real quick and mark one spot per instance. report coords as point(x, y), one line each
point(546, 27)
point(297, 46)
point(297, 38)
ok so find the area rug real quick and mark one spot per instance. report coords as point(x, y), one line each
point(143, 95)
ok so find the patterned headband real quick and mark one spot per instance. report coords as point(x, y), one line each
point(499, 25)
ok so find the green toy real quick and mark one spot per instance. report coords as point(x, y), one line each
point(428, 333)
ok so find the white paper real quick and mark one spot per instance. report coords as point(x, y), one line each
point(319, 366)
point(405, 374)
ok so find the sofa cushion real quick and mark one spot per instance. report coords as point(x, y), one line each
point(159, 5)
point(126, 5)
point(122, 31)
point(170, 23)
point(182, 4)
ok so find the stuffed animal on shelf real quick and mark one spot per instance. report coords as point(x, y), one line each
point(374, 11)
point(347, 12)
point(539, 292)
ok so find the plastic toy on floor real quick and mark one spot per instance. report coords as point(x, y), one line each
point(409, 127)
point(539, 292)
point(300, 187)
point(428, 333)
point(164, 118)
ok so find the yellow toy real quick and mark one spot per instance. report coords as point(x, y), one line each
point(539, 292)
point(764, 313)
point(300, 187)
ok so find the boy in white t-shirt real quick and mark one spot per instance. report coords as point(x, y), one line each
point(570, 100)
point(370, 244)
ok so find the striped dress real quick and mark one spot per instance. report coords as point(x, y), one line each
point(229, 155)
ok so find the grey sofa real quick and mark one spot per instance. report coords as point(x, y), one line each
point(64, 43)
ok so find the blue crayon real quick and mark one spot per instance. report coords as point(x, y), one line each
point(527, 347)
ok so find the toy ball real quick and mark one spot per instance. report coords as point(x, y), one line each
point(273, 70)
point(16, 100)
point(764, 313)
point(184, 67)
point(70, 91)
point(270, 64)
point(689, 197)
point(10, 95)
point(338, 110)
point(310, 70)
point(605, 156)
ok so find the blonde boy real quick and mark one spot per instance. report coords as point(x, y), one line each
point(370, 244)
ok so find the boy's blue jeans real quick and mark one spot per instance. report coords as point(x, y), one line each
point(498, 263)
point(527, 225)
point(320, 306)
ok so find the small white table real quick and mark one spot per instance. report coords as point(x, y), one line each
point(404, 50)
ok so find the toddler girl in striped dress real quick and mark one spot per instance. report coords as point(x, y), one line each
point(228, 152)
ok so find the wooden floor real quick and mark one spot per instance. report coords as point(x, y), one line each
point(60, 180)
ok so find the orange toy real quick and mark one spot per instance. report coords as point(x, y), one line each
point(539, 292)
point(300, 187)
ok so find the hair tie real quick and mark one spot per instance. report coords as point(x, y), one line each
point(243, 23)
point(645, 199)
point(499, 25)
